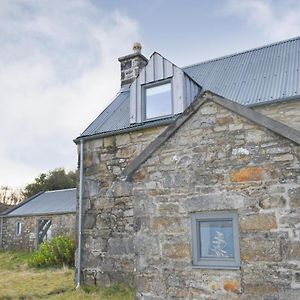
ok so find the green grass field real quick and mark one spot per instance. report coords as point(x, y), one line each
point(18, 281)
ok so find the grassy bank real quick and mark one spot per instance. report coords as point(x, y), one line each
point(18, 281)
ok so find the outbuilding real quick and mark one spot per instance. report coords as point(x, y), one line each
point(39, 218)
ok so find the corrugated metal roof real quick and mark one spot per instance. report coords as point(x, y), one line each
point(115, 116)
point(261, 75)
point(50, 202)
point(255, 76)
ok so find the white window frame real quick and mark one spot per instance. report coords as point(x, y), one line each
point(144, 98)
point(18, 228)
point(215, 263)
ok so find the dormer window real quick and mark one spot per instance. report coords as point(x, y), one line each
point(158, 100)
point(160, 90)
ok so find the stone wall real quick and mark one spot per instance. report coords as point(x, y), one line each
point(63, 224)
point(285, 112)
point(139, 232)
point(219, 161)
point(107, 254)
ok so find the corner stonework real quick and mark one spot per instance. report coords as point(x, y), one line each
point(108, 226)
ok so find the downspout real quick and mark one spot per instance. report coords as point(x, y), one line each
point(80, 215)
point(1, 231)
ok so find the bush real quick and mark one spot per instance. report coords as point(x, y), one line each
point(60, 251)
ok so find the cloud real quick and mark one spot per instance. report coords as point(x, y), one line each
point(275, 19)
point(58, 70)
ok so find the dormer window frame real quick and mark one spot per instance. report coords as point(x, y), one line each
point(152, 84)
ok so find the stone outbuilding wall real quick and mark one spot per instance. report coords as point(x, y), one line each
point(138, 230)
point(62, 224)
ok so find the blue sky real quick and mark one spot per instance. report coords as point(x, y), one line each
point(59, 67)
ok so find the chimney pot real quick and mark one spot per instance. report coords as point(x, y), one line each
point(137, 47)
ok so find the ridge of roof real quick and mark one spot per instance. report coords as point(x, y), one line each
point(242, 52)
point(62, 190)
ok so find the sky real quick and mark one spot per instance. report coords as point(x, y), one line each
point(59, 62)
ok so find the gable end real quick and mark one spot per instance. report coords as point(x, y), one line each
point(262, 120)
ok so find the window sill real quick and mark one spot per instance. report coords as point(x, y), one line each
point(216, 267)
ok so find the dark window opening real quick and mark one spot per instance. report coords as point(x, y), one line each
point(18, 228)
point(44, 230)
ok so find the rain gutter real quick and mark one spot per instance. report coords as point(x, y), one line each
point(126, 129)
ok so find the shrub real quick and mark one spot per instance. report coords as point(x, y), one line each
point(59, 251)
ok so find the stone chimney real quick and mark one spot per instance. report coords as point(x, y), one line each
point(132, 64)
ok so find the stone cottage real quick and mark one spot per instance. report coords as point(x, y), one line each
point(190, 179)
point(39, 218)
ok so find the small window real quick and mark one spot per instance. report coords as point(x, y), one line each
point(158, 100)
point(215, 240)
point(18, 228)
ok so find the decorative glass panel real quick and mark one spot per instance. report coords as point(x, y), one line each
point(216, 239)
point(158, 101)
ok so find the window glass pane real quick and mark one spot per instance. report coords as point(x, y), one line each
point(216, 239)
point(158, 101)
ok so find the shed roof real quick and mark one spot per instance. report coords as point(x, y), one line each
point(49, 202)
point(262, 75)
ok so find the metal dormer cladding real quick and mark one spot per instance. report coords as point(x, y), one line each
point(184, 89)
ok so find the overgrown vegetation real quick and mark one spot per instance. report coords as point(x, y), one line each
point(58, 252)
point(53, 180)
point(19, 281)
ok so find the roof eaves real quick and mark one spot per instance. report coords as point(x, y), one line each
point(40, 214)
point(62, 190)
point(132, 128)
point(273, 101)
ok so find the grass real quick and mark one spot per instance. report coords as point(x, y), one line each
point(18, 281)
point(13, 260)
